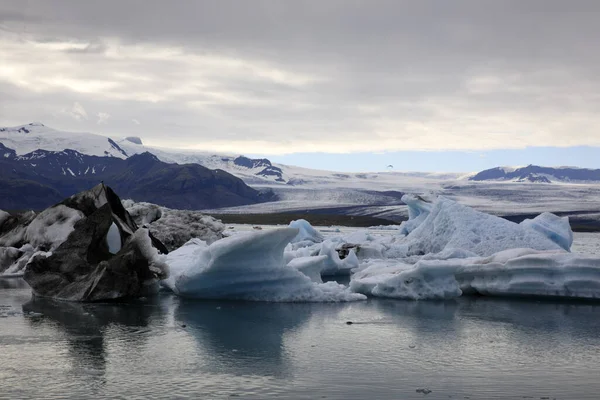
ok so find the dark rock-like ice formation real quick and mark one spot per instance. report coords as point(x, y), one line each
point(175, 227)
point(104, 256)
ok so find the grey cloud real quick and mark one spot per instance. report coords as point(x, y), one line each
point(92, 48)
point(318, 70)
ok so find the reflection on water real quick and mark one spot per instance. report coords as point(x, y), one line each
point(12, 283)
point(167, 347)
point(83, 327)
point(243, 338)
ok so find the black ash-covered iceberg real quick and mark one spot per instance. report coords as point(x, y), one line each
point(174, 227)
point(94, 251)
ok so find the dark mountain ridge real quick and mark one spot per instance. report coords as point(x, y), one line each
point(41, 178)
point(535, 173)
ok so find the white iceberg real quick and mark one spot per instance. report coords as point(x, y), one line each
point(446, 224)
point(418, 210)
point(247, 266)
point(333, 264)
point(450, 250)
point(310, 266)
point(306, 233)
point(515, 272)
point(553, 227)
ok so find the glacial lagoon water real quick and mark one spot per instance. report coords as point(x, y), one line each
point(168, 347)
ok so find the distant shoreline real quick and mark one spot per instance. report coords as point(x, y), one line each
point(319, 217)
point(578, 223)
point(313, 218)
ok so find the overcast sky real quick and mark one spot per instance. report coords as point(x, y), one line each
point(386, 79)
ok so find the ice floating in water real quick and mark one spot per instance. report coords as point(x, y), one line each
point(449, 250)
point(553, 227)
point(452, 249)
point(51, 227)
point(310, 266)
point(444, 223)
point(333, 265)
point(305, 232)
point(515, 272)
point(247, 266)
point(3, 216)
point(418, 210)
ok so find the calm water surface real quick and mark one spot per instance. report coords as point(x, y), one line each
point(167, 347)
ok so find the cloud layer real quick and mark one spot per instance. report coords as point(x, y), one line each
point(272, 77)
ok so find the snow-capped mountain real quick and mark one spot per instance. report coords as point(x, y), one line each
point(35, 136)
point(41, 178)
point(537, 174)
point(261, 172)
point(38, 164)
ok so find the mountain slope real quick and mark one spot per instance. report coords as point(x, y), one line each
point(41, 178)
point(27, 138)
point(534, 173)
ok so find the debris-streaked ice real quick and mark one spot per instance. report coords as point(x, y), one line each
point(51, 227)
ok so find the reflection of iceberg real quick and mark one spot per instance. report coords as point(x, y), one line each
point(84, 326)
point(245, 338)
point(470, 326)
point(13, 283)
point(421, 319)
point(525, 316)
point(246, 267)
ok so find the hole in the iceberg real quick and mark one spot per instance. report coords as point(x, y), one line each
point(113, 239)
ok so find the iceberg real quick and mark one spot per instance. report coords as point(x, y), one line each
point(310, 266)
point(514, 272)
point(306, 233)
point(87, 248)
point(553, 227)
point(451, 250)
point(174, 227)
point(247, 266)
point(3, 216)
point(418, 210)
point(51, 227)
point(445, 224)
point(333, 265)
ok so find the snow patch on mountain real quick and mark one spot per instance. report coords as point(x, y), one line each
point(28, 138)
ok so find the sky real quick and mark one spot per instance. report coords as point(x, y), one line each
point(337, 84)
